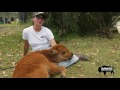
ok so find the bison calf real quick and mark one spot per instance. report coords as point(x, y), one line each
point(42, 64)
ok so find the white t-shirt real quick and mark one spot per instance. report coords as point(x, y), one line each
point(38, 40)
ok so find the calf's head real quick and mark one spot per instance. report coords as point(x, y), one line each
point(59, 53)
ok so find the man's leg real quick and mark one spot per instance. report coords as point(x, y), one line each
point(74, 59)
point(69, 62)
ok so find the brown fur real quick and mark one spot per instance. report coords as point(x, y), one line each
point(42, 64)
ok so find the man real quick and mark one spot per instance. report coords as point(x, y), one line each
point(40, 37)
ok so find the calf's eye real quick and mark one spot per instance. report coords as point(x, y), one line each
point(63, 52)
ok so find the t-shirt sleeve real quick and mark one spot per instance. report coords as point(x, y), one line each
point(24, 35)
point(50, 35)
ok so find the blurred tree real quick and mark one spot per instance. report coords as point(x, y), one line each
point(80, 22)
point(24, 16)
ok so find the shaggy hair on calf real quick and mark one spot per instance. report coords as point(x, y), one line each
point(42, 64)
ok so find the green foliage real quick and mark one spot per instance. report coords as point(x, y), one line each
point(80, 22)
point(25, 16)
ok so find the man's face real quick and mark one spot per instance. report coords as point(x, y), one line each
point(38, 20)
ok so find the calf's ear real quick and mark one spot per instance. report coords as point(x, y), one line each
point(52, 52)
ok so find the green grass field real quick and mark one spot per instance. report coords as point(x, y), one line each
point(101, 51)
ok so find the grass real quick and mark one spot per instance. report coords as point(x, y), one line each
point(101, 51)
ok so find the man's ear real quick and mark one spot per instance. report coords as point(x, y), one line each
point(52, 52)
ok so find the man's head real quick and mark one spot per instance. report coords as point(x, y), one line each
point(38, 18)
